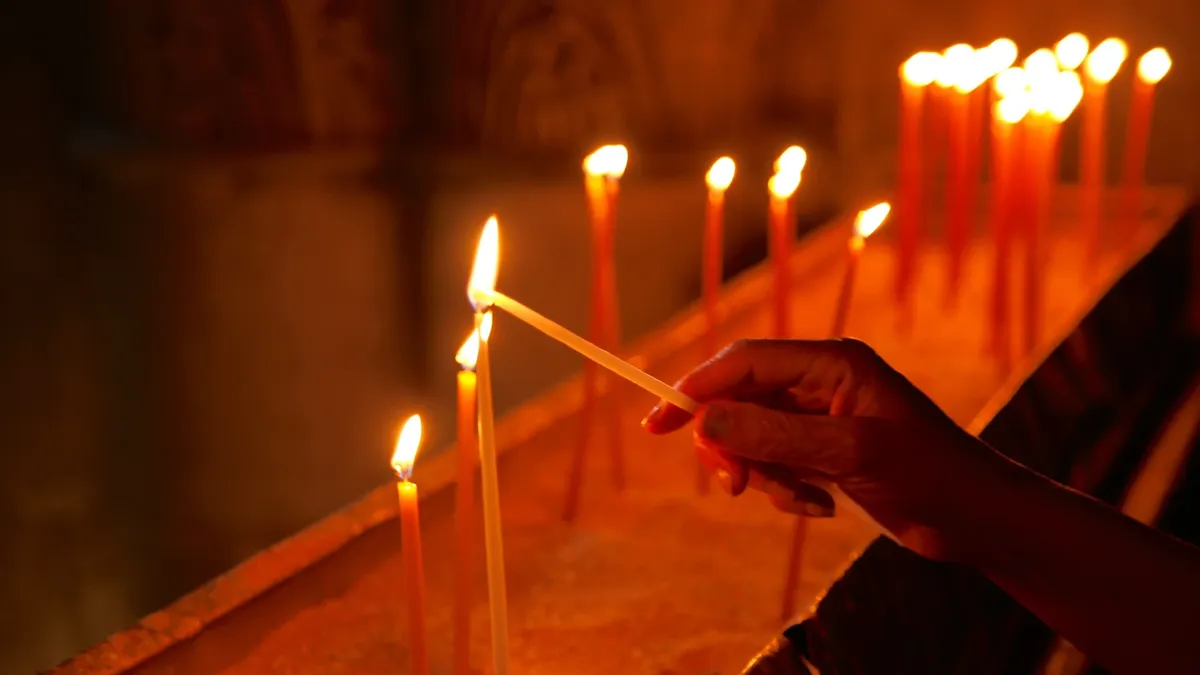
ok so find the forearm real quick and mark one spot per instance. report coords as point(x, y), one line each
point(1126, 595)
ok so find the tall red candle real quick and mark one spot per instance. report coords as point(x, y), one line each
point(1152, 67)
point(781, 233)
point(960, 61)
point(718, 179)
point(1099, 69)
point(410, 545)
point(917, 73)
point(1006, 115)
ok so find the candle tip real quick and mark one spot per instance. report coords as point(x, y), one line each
point(721, 174)
point(1105, 60)
point(869, 220)
point(407, 444)
point(1071, 51)
point(1153, 65)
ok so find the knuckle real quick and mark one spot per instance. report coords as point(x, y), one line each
point(857, 352)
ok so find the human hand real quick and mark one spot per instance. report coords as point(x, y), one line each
point(797, 410)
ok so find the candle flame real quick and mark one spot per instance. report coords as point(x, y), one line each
point(1105, 60)
point(1067, 95)
point(721, 174)
point(921, 69)
point(791, 160)
point(1010, 82)
point(784, 183)
point(406, 447)
point(1153, 65)
point(487, 265)
point(1041, 66)
point(957, 64)
point(1012, 109)
point(977, 70)
point(468, 353)
point(607, 160)
point(1071, 51)
point(869, 220)
point(1001, 54)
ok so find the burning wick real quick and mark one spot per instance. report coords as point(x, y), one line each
point(482, 293)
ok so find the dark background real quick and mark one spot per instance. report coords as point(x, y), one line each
point(234, 235)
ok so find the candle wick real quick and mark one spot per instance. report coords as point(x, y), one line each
point(403, 472)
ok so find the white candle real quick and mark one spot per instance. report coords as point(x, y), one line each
point(490, 484)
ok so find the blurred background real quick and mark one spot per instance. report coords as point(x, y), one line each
point(235, 234)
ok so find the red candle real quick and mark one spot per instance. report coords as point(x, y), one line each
point(959, 60)
point(410, 549)
point(1099, 69)
point(718, 179)
point(1005, 117)
point(465, 516)
point(782, 231)
point(865, 225)
point(1152, 67)
point(917, 73)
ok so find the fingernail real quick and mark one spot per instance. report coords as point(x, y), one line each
point(717, 423)
point(817, 510)
point(651, 416)
point(725, 479)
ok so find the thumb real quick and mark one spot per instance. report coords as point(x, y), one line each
point(822, 443)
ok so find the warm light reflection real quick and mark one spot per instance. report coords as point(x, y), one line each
point(406, 447)
point(958, 64)
point(487, 265)
point(869, 220)
point(784, 183)
point(1153, 65)
point(720, 175)
point(468, 353)
point(1010, 82)
point(1001, 54)
point(607, 160)
point(921, 68)
point(1067, 95)
point(1105, 60)
point(1071, 51)
point(1012, 109)
point(792, 160)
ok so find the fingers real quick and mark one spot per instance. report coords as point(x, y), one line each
point(821, 443)
point(816, 369)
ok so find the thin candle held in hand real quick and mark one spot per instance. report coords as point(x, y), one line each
point(410, 547)
point(483, 295)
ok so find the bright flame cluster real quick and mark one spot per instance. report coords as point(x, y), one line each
point(468, 353)
point(788, 169)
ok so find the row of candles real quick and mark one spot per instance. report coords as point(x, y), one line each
point(1027, 107)
point(475, 431)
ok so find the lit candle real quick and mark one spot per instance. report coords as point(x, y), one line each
point(917, 73)
point(718, 179)
point(782, 230)
point(483, 294)
point(1071, 51)
point(864, 226)
point(410, 548)
point(1152, 67)
point(1008, 112)
point(1099, 69)
point(959, 63)
point(465, 521)
point(483, 278)
point(602, 174)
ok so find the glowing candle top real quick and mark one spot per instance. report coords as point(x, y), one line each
point(607, 160)
point(720, 175)
point(976, 69)
point(1071, 51)
point(783, 184)
point(921, 68)
point(1012, 109)
point(487, 266)
point(1105, 60)
point(792, 160)
point(468, 353)
point(1153, 65)
point(870, 219)
point(1000, 55)
point(958, 63)
point(1011, 82)
point(1067, 95)
point(406, 448)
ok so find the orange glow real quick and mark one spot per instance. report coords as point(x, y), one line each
point(1000, 55)
point(977, 71)
point(1153, 65)
point(1105, 60)
point(406, 447)
point(1071, 51)
point(792, 160)
point(869, 220)
point(1066, 95)
point(784, 183)
point(607, 160)
point(720, 175)
point(487, 265)
point(921, 68)
point(1012, 109)
point(958, 64)
point(469, 351)
point(1041, 68)
point(1010, 82)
